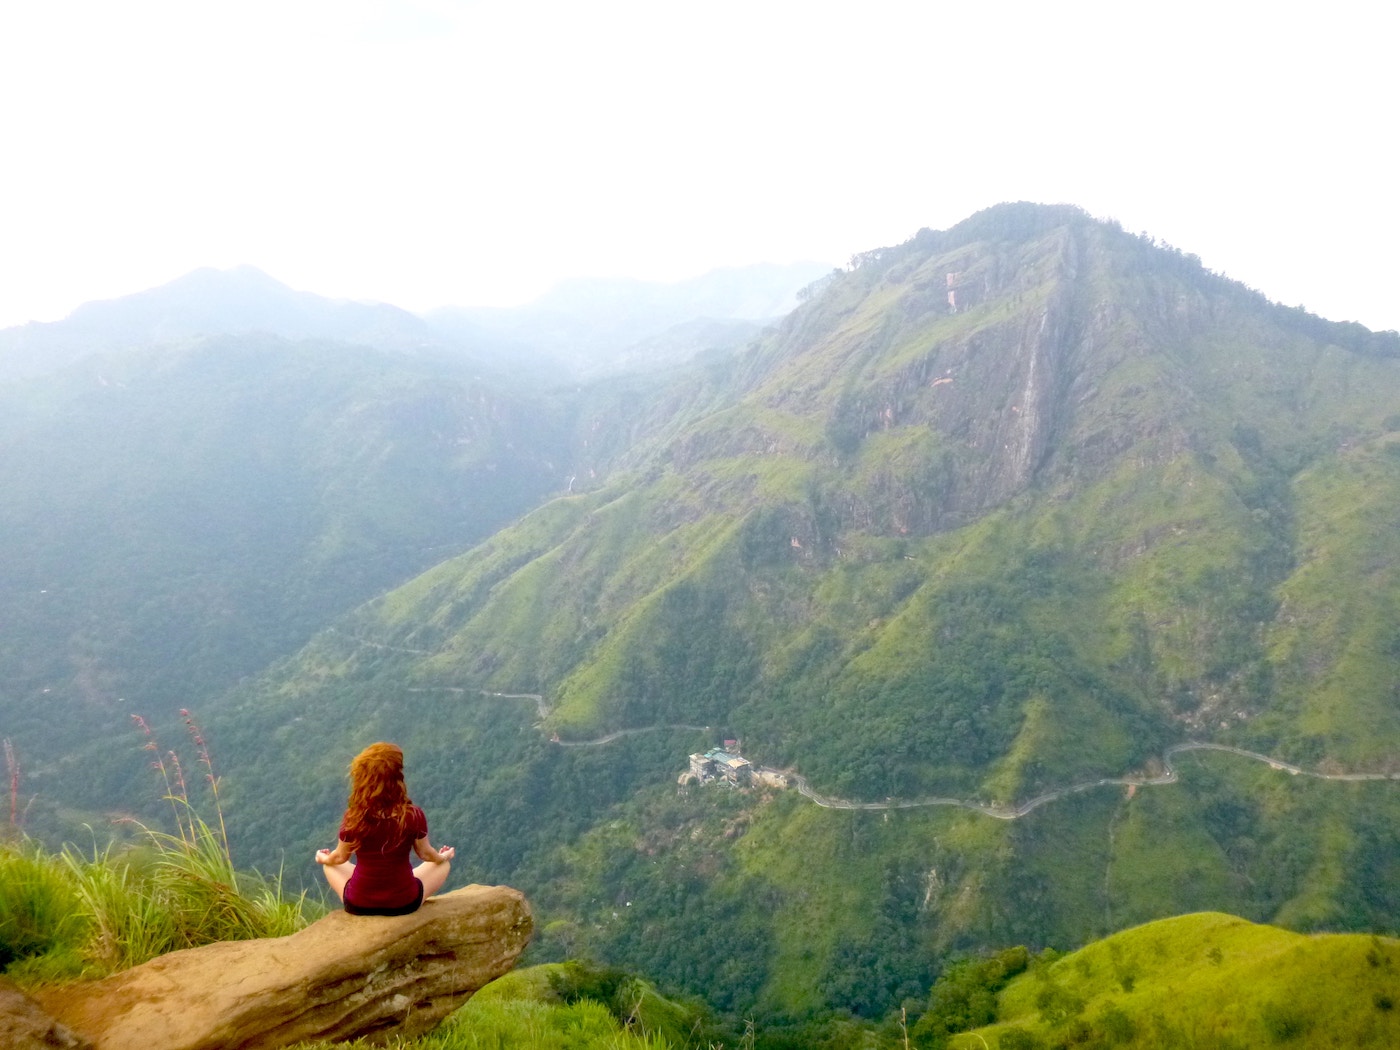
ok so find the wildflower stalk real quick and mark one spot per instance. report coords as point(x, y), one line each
point(159, 764)
point(202, 749)
point(181, 796)
point(12, 766)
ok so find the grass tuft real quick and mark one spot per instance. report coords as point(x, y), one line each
point(75, 915)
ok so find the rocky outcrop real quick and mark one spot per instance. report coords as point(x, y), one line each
point(342, 977)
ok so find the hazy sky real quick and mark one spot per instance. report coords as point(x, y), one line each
point(438, 152)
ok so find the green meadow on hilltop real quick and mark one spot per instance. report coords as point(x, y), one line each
point(1207, 982)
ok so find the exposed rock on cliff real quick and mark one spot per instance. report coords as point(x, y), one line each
point(343, 977)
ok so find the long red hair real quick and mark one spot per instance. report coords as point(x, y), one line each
point(377, 791)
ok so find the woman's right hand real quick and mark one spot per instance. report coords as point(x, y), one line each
point(323, 856)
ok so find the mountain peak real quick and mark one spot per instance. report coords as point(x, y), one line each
point(244, 275)
point(1018, 221)
point(203, 302)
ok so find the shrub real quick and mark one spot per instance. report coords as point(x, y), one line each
point(1282, 1023)
point(1116, 1026)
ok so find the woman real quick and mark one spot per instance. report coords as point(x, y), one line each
point(381, 827)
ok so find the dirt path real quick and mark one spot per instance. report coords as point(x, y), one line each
point(541, 707)
point(619, 733)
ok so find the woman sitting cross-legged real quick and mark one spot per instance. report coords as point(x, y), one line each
point(381, 828)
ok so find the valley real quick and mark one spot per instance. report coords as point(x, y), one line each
point(1066, 602)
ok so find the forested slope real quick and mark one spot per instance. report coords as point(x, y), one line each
point(179, 517)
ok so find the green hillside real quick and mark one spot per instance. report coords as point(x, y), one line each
point(1205, 981)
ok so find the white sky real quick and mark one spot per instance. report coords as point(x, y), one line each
point(436, 152)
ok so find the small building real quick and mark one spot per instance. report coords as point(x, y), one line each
point(719, 764)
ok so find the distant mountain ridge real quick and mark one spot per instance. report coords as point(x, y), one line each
point(591, 326)
point(602, 326)
point(203, 303)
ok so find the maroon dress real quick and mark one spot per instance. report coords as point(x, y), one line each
point(383, 882)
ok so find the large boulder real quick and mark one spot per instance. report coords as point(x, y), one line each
point(342, 977)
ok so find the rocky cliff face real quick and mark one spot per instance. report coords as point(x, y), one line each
point(963, 354)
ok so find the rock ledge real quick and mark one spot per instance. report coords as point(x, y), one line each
point(343, 977)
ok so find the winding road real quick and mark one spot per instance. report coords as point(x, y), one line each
point(1001, 812)
point(990, 809)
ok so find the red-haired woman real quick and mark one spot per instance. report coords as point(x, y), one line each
point(382, 827)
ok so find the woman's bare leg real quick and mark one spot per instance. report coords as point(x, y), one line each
point(433, 874)
point(338, 875)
